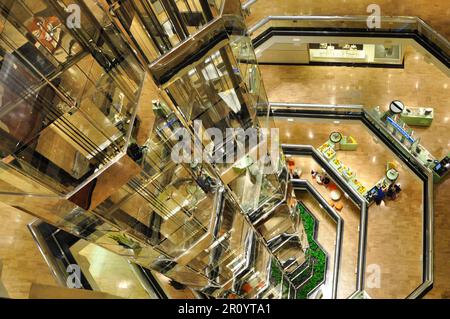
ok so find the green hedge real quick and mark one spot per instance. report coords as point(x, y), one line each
point(276, 273)
point(314, 252)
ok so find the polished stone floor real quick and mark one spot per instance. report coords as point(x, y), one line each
point(108, 272)
point(22, 262)
point(418, 84)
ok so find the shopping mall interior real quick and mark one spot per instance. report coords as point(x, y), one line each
point(322, 131)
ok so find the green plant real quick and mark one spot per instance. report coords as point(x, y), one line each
point(317, 256)
point(125, 241)
point(276, 272)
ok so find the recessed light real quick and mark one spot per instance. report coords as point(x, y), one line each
point(123, 285)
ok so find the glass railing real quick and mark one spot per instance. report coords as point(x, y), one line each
point(389, 24)
point(65, 91)
point(404, 24)
point(419, 176)
point(259, 9)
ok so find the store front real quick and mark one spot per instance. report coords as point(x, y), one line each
point(310, 50)
point(355, 53)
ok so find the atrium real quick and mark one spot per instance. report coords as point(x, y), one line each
point(224, 149)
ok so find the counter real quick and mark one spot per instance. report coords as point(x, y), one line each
point(418, 116)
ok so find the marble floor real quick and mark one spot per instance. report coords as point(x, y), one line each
point(22, 262)
point(436, 12)
point(418, 84)
point(399, 258)
point(326, 236)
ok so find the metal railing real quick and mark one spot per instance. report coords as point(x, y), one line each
point(248, 4)
point(53, 264)
point(305, 185)
point(360, 201)
point(425, 174)
point(390, 24)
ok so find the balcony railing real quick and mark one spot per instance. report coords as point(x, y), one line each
point(358, 111)
point(412, 26)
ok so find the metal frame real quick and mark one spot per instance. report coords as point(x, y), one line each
point(290, 149)
point(300, 184)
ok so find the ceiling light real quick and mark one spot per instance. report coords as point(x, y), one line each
point(123, 285)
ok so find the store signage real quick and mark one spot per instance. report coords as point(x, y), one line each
point(396, 107)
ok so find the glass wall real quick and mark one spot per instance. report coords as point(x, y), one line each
point(70, 149)
point(74, 93)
